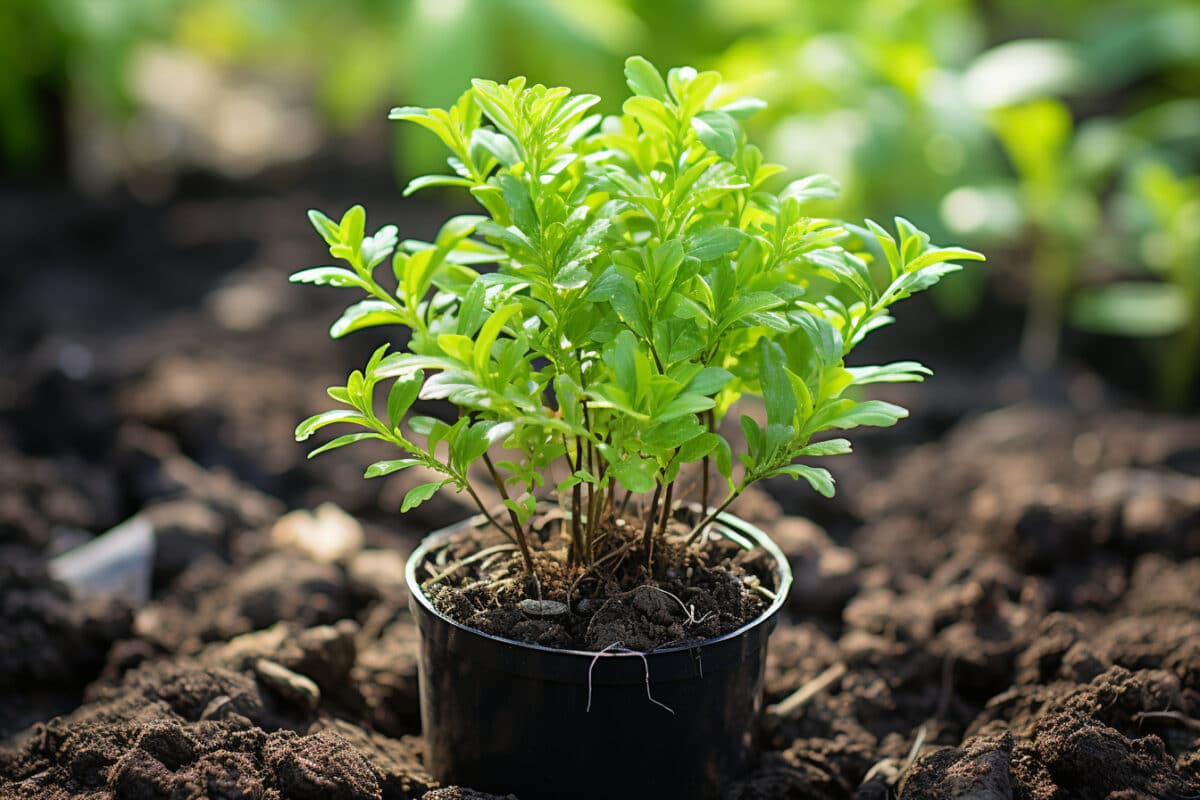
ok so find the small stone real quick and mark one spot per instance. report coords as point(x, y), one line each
point(543, 608)
point(329, 534)
point(217, 707)
point(289, 685)
point(589, 605)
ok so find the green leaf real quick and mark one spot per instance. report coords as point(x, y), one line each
point(709, 381)
point(743, 107)
point(425, 181)
point(366, 314)
point(458, 347)
point(875, 413)
point(375, 249)
point(813, 187)
point(939, 255)
point(898, 372)
point(635, 474)
point(353, 227)
point(402, 395)
point(817, 477)
point(381, 468)
point(329, 230)
point(776, 388)
point(718, 131)
point(686, 403)
point(830, 447)
point(314, 423)
point(499, 145)
point(419, 494)
point(329, 276)
point(698, 447)
point(671, 434)
point(342, 441)
point(714, 242)
point(825, 339)
point(488, 334)
point(724, 459)
point(644, 79)
point(755, 437)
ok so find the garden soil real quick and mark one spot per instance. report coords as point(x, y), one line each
point(1001, 602)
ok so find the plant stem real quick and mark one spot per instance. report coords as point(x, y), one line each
point(704, 523)
point(648, 534)
point(710, 420)
point(576, 550)
point(590, 535)
point(666, 510)
point(522, 542)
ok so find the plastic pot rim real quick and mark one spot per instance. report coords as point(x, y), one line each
point(723, 524)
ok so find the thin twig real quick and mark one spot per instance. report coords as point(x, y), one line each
point(596, 565)
point(716, 512)
point(512, 515)
point(471, 559)
point(801, 697)
point(1175, 716)
point(913, 752)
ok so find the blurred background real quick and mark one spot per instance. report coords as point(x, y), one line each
point(158, 157)
point(1062, 138)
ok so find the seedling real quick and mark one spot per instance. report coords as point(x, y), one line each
point(1168, 310)
point(645, 279)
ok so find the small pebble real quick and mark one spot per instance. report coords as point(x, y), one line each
point(543, 608)
point(589, 605)
point(290, 685)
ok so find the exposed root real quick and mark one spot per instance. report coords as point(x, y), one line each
point(617, 647)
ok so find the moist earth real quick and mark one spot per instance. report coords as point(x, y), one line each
point(692, 593)
point(997, 604)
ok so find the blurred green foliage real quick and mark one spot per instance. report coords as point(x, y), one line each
point(1045, 130)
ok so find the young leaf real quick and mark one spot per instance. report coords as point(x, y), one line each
point(635, 474)
point(329, 276)
point(831, 447)
point(776, 388)
point(488, 333)
point(644, 79)
point(342, 441)
point(381, 468)
point(329, 230)
point(817, 477)
point(813, 187)
point(314, 423)
point(402, 395)
point(419, 494)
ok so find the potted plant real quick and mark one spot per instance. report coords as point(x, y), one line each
point(631, 279)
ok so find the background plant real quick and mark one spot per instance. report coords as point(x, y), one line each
point(921, 106)
point(646, 278)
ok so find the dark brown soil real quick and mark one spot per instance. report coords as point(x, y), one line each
point(690, 594)
point(998, 604)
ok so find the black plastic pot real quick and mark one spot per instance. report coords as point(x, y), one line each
point(506, 716)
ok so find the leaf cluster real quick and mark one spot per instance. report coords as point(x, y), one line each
point(632, 277)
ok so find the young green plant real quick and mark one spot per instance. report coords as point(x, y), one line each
point(630, 279)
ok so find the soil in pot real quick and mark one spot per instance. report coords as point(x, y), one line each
point(688, 594)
